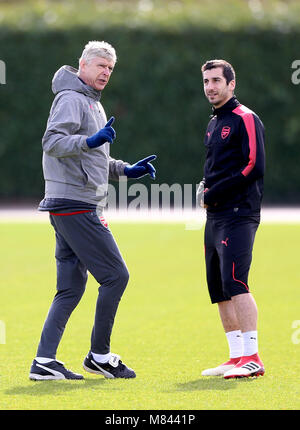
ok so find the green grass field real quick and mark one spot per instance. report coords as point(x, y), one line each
point(166, 328)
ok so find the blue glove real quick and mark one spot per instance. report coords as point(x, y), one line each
point(141, 168)
point(106, 134)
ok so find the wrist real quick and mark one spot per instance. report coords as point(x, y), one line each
point(90, 142)
point(95, 140)
point(126, 169)
point(84, 146)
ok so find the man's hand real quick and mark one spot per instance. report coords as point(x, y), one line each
point(106, 134)
point(141, 168)
point(200, 194)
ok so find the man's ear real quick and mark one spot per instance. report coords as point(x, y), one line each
point(82, 64)
point(232, 85)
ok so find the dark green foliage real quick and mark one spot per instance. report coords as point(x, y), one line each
point(156, 95)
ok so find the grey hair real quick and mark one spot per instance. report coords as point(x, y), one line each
point(94, 48)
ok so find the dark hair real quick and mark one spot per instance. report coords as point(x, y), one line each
point(228, 70)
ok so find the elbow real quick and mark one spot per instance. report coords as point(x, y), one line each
point(256, 173)
point(47, 148)
point(52, 145)
point(259, 170)
point(48, 145)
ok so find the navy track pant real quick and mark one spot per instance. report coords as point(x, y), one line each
point(84, 244)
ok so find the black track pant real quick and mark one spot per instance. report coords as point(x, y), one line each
point(228, 254)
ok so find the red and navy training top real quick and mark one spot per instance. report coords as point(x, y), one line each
point(235, 159)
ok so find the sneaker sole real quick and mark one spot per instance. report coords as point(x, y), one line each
point(217, 371)
point(98, 372)
point(258, 373)
point(37, 377)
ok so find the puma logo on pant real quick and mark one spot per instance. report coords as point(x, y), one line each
point(224, 242)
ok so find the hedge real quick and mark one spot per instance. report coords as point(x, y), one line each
point(156, 95)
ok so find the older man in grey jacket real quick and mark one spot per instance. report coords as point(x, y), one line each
point(77, 167)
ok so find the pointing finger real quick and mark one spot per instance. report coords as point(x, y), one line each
point(149, 158)
point(110, 121)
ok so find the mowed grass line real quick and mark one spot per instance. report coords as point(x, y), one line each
point(166, 328)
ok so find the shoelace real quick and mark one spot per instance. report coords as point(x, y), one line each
point(62, 364)
point(120, 365)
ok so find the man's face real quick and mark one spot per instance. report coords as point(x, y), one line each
point(215, 87)
point(96, 72)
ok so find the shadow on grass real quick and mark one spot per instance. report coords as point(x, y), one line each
point(40, 388)
point(212, 383)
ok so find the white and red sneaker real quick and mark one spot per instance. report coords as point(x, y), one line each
point(247, 366)
point(220, 370)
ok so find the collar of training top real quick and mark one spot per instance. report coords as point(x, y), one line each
point(92, 92)
point(230, 105)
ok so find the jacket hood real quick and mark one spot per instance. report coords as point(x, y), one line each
point(66, 78)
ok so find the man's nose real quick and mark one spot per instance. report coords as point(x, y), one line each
point(209, 86)
point(107, 71)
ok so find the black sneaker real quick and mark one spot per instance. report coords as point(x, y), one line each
point(114, 368)
point(53, 370)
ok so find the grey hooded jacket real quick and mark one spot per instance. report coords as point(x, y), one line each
point(71, 169)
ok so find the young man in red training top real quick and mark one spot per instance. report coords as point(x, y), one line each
point(231, 191)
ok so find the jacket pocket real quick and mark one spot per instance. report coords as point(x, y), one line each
point(66, 170)
point(95, 169)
